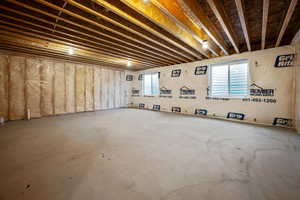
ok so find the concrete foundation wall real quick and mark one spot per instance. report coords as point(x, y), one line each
point(255, 108)
point(50, 87)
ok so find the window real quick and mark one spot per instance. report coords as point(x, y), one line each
point(229, 80)
point(150, 84)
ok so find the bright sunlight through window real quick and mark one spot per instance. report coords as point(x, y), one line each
point(151, 84)
point(229, 80)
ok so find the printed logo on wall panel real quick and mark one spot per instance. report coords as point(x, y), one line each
point(256, 90)
point(141, 77)
point(239, 116)
point(129, 77)
point(176, 109)
point(200, 112)
point(284, 60)
point(201, 70)
point(141, 105)
point(135, 92)
point(282, 122)
point(260, 95)
point(176, 72)
point(156, 107)
point(187, 93)
point(165, 92)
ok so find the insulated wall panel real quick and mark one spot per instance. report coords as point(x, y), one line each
point(89, 99)
point(59, 88)
point(104, 88)
point(117, 89)
point(4, 87)
point(70, 87)
point(297, 75)
point(33, 87)
point(125, 89)
point(47, 77)
point(16, 88)
point(97, 88)
point(271, 89)
point(111, 93)
point(48, 87)
point(122, 89)
point(80, 88)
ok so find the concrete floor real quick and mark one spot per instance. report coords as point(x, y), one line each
point(142, 155)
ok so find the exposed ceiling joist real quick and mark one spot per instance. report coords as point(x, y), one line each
point(154, 14)
point(108, 26)
point(88, 41)
point(147, 33)
point(133, 15)
point(173, 10)
point(217, 9)
point(196, 14)
point(109, 37)
point(22, 43)
point(240, 10)
point(27, 50)
point(126, 25)
point(69, 43)
point(266, 4)
point(87, 37)
point(286, 21)
point(59, 13)
point(296, 38)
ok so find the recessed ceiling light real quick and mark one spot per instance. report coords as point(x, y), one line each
point(71, 51)
point(204, 44)
point(146, 1)
point(129, 64)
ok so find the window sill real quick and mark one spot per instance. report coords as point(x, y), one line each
point(229, 97)
point(149, 96)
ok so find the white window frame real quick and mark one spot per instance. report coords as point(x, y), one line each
point(142, 84)
point(230, 63)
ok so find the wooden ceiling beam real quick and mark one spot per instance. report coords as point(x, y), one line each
point(119, 31)
point(197, 15)
point(286, 21)
point(118, 40)
point(103, 40)
point(101, 54)
point(68, 35)
point(154, 14)
point(100, 44)
point(18, 40)
point(266, 4)
point(240, 9)
point(70, 43)
point(26, 50)
point(296, 38)
point(173, 10)
point(129, 26)
point(59, 14)
point(219, 12)
point(139, 19)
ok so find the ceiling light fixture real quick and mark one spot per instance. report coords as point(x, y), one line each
point(204, 44)
point(129, 64)
point(146, 1)
point(71, 51)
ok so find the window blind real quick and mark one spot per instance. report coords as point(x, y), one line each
point(229, 80)
point(150, 84)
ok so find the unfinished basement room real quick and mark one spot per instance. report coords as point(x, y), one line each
point(149, 99)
